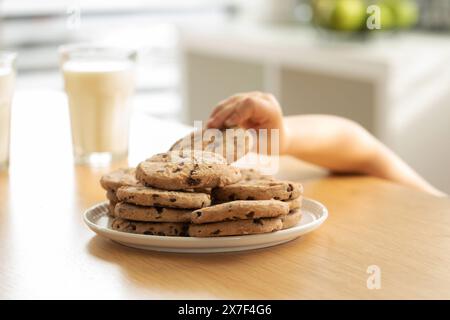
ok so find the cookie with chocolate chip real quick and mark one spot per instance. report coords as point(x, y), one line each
point(111, 196)
point(295, 203)
point(240, 210)
point(151, 214)
point(179, 176)
point(188, 156)
point(292, 219)
point(146, 196)
point(174, 229)
point(249, 174)
point(231, 143)
point(111, 206)
point(118, 178)
point(234, 228)
point(258, 190)
point(112, 199)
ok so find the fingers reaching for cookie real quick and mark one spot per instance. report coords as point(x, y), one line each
point(247, 110)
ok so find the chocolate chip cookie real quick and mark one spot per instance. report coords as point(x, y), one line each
point(150, 228)
point(118, 178)
point(111, 207)
point(232, 228)
point(231, 143)
point(146, 196)
point(111, 196)
point(292, 219)
point(179, 176)
point(295, 203)
point(258, 190)
point(151, 214)
point(240, 210)
point(253, 174)
point(188, 156)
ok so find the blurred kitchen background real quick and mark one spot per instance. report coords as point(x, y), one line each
point(316, 57)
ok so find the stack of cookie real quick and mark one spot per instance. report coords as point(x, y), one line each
point(146, 210)
point(256, 204)
point(197, 193)
point(239, 217)
point(111, 182)
point(169, 188)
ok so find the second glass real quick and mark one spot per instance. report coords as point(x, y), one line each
point(99, 82)
point(7, 79)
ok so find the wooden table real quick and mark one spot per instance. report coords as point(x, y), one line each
point(47, 252)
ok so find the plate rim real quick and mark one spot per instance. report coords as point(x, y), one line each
point(286, 232)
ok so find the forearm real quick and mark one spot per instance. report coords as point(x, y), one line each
point(389, 166)
point(341, 145)
point(331, 142)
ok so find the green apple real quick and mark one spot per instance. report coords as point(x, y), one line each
point(323, 10)
point(406, 13)
point(348, 15)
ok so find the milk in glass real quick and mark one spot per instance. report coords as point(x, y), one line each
point(99, 94)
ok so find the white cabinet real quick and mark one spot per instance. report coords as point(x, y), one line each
point(397, 86)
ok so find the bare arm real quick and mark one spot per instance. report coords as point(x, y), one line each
point(335, 143)
point(342, 145)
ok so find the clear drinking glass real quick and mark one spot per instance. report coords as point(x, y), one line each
point(99, 82)
point(7, 80)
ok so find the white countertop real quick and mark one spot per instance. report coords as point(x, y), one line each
point(408, 55)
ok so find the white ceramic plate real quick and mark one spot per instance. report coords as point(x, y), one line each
point(313, 215)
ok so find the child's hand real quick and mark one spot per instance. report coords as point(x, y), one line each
point(332, 142)
point(248, 110)
point(255, 110)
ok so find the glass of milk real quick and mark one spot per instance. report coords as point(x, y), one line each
point(99, 82)
point(7, 79)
